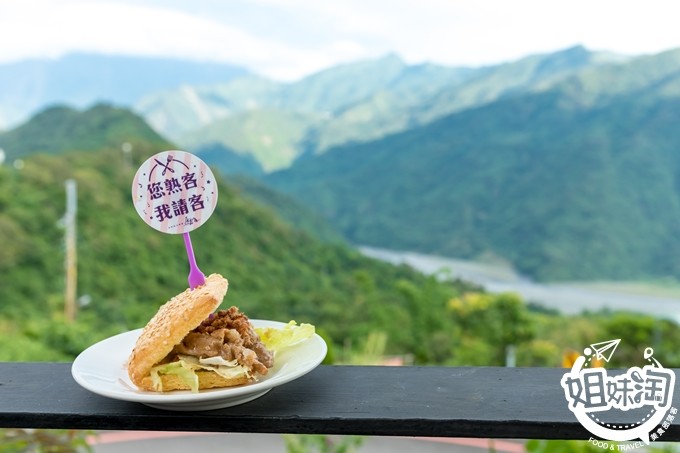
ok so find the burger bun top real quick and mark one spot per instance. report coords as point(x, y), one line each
point(173, 321)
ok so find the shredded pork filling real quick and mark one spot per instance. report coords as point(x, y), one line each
point(229, 334)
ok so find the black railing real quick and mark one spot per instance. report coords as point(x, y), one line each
point(484, 402)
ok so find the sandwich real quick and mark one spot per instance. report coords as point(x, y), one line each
point(187, 345)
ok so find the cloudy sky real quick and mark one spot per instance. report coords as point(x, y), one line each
point(286, 39)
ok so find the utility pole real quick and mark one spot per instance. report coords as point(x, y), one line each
point(71, 252)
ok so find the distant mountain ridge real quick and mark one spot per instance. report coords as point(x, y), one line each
point(354, 102)
point(198, 104)
point(81, 79)
point(239, 113)
point(579, 179)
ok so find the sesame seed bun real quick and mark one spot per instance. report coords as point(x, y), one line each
point(173, 321)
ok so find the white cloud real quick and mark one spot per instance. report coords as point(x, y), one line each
point(484, 31)
point(322, 33)
point(491, 31)
point(110, 27)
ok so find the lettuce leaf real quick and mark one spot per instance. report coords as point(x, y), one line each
point(182, 369)
point(226, 369)
point(276, 339)
point(185, 368)
point(217, 361)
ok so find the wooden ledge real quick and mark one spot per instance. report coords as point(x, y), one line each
point(486, 402)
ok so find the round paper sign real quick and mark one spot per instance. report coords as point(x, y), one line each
point(174, 192)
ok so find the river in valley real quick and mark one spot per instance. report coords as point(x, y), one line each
point(568, 298)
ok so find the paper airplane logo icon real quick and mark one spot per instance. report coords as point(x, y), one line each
point(605, 350)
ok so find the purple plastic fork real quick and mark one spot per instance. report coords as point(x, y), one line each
point(196, 277)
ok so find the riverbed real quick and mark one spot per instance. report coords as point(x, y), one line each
point(567, 298)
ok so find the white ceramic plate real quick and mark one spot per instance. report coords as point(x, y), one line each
point(101, 370)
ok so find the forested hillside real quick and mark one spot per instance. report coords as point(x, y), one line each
point(579, 181)
point(62, 128)
point(127, 269)
point(364, 308)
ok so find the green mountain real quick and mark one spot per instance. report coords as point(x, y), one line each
point(354, 102)
point(61, 128)
point(424, 93)
point(339, 87)
point(575, 181)
point(274, 138)
point(529, 74)
point(277, 122)
point(652, 76)
point(181, 110)
point(388, 108)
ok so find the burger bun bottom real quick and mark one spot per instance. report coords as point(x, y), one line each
point(206, 380)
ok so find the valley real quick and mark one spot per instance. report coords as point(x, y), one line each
point(562, 165)
point(570, 298)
